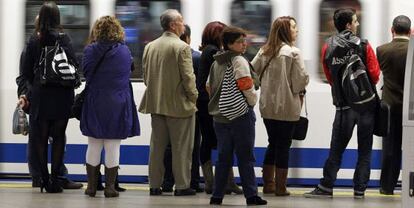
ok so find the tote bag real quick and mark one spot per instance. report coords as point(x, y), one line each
point(232, 103)
point(20, 123)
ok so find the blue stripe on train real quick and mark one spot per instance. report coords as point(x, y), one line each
point(138, 155)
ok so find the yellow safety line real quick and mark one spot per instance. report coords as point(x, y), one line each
point(369, 193)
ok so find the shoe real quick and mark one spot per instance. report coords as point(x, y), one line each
point(155, 191)
point(167, 189)
point(198, 188)
point(216, 201)
point(184, 192)
point(281, 180)
point(318, 193)
point(359, 194)
point(51, 186)
point(384, 192)
point(117, 187)
point(269, 184)
point(99, 186)
point(92, 173)
point(255, 200)
point(66, 183)
point(36, 182)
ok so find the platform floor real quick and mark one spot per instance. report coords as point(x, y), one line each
point(20, 194)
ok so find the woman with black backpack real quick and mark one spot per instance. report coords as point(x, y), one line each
point(50, 101)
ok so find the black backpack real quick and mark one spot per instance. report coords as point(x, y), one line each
point(355, 82)
point(55, 68)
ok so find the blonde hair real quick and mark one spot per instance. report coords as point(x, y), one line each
point(107, 28)
point(279, 33)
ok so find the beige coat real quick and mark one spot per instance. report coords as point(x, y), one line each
point(281, 83)
point(169, 77)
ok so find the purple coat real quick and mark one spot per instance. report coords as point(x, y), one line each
point(109, 111)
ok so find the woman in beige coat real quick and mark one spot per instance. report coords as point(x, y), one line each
point(283, 82)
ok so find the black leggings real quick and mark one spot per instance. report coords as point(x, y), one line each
point(280, 140)
point(42, 130)
point(208, 135)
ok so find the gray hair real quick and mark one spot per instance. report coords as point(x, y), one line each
point(167, 17)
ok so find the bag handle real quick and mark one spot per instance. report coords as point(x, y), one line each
point(306, 106)
point(266, 66)
point(97, 66)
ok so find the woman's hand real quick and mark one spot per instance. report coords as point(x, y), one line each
point(23, 102)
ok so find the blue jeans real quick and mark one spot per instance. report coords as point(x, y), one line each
point(343, 127)
point(236, 137)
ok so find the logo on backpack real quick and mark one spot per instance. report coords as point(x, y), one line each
point(55, 68)
point(356, 85)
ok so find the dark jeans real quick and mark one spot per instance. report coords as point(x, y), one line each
point(343, 127)
point(391, 151)
point(237, 136)
point(32, 159)
point(280, 140)
point(209, 139)
point(195, 165)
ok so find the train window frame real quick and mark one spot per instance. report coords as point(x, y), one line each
point(138, 57)
point(256, 40)
point(29, 26)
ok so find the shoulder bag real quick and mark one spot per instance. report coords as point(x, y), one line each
point(301, 126)
point(80, 98)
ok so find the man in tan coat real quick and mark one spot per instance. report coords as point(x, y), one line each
point(170, 98)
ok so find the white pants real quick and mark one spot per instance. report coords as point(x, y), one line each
point(112, 151)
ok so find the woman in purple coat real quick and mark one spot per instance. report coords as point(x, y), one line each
point(109, 112)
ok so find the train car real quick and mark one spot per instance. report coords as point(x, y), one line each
point(140, 19)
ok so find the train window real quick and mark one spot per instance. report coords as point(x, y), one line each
point(74, 17)
point(255, 16)
point(141, 20)
point(326, 25)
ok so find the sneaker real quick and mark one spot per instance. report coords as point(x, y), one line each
point(255, 200)
point(318, 193)
point(359, 194)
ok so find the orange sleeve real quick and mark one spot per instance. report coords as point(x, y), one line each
point(244, 83)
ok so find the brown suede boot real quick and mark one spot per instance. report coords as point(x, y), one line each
point(208, 176)
point(231, 185)
point(92, 172)
point(110, 177)
point(268, 179)
point(281, 179)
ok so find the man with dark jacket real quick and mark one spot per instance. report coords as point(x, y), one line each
point(337, 48)
point(392, 58)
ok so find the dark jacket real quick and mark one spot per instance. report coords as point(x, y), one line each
point(339, 46)
point(109, 111)
point(46, 102)
point(206, 60)
point(392, 59)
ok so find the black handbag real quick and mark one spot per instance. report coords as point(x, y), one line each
point(382, 118)
point(77, 106)
point(301, 126)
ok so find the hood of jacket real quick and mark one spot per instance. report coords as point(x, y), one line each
point(345, 39)
point(224, 56)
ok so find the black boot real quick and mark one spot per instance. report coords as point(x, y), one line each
point(50, 185)
point(110, 177)
point(92, 172)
